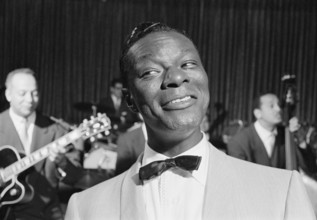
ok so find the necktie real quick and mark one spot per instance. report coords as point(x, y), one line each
point(24, 134)
point(117, 103)
point(156, 168)
point(271, 142)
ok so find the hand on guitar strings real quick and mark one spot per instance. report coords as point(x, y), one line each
point(57, 155)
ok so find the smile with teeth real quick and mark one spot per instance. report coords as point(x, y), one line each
point(181, 100)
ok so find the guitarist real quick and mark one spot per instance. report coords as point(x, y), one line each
point(27, 130)
point(263, 142)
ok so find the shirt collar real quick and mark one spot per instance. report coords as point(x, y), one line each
point(115, 98)
point(143, 127)
point(17, 118)
point(264, 133)
point(200, 149)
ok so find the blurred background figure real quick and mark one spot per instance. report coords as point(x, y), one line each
point(116, 109)
point(233, 127)
point(306, 136)
point(130, 145)
point(311, 138)
point(263, 142)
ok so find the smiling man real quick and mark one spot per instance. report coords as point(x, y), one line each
point(24, 130)
point(181, 175)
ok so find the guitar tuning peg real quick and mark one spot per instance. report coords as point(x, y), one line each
point(97, 125)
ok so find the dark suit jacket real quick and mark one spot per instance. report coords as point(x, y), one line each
point(107, 106)
point(247, 145)
point(43, 177)
point(130, 146)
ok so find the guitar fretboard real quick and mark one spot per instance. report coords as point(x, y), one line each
point(38, 155)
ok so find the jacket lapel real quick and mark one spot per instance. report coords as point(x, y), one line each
point(260, 152)
point(132, 200)
point(218, 193)
point(278, 156)
point(10, 133)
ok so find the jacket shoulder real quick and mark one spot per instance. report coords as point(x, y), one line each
point(102, 199)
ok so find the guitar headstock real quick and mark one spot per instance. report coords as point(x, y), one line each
point(96, 125)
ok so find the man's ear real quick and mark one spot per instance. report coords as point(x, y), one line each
point(257, 113)
point(8, 95)
point(129, 100)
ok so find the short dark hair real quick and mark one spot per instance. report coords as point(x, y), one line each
point(115, 81)
point(257, 100)
point(139, 32)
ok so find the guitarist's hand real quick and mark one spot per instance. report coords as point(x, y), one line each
point(58, 155)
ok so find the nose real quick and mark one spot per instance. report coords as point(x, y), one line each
point(174, 77)
point(28, 97)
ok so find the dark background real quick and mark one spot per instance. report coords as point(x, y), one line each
point(246, 47)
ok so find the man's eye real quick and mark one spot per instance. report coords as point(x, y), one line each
point(149, 73)
point(189, 65)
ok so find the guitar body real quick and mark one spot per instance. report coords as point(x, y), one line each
point(14, 169)
point(15, 190)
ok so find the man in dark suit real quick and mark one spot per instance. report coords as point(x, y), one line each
point(263, 142)
point(116, 109)
point(180, 175)
point(27, 131)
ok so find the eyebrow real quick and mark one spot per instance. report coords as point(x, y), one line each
point(183, 51)
point(145, 56)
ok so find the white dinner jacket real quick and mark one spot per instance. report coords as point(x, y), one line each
point(235, 189)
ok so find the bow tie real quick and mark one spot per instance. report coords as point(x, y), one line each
point(156, 168)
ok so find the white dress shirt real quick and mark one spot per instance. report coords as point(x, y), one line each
point(116, 102)
point(144, 131)
point(19, 124)
point(266, 136)
point(176, 193)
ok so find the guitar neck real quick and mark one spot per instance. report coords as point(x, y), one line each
point(28, 161)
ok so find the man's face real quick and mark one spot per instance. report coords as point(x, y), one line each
point(270, 110)
point(22, 94)
point(169, 85)
point(116, 90)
